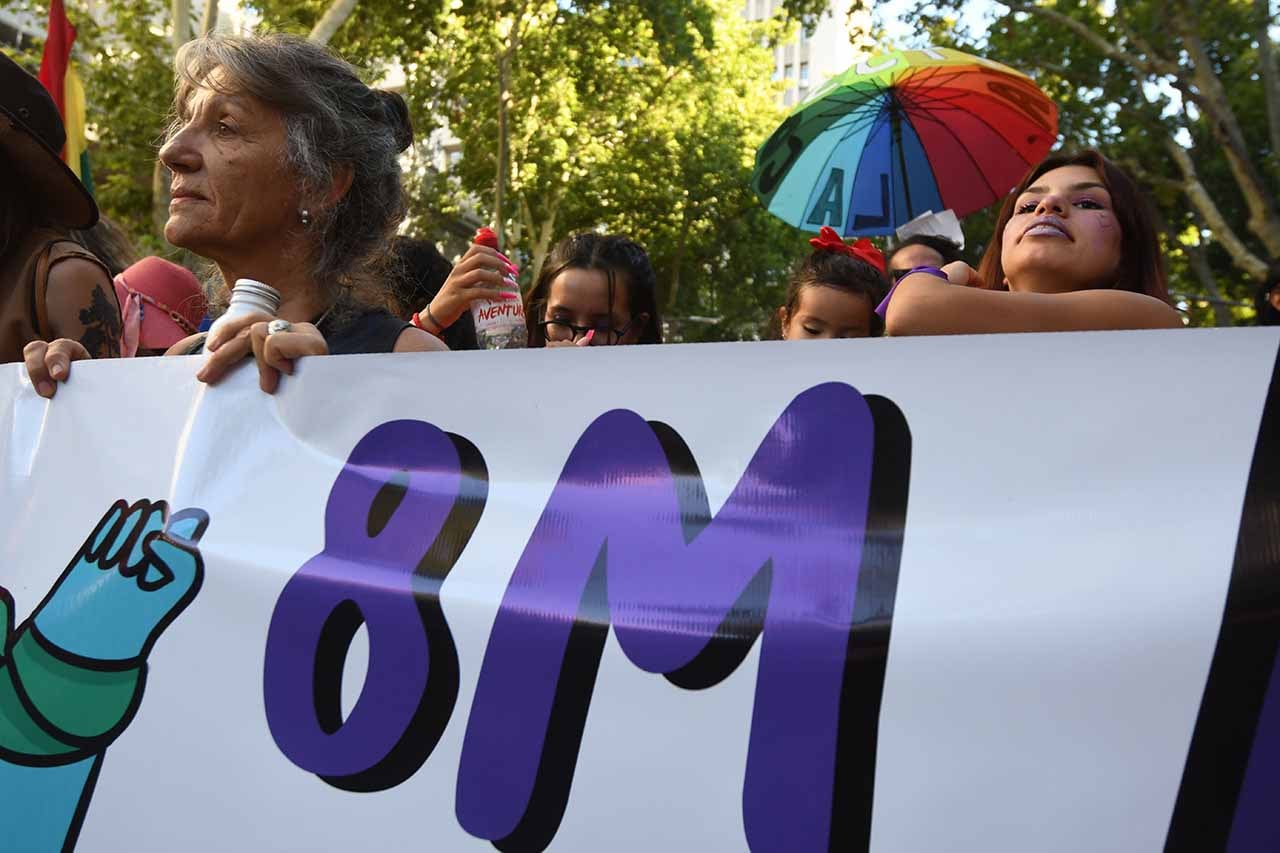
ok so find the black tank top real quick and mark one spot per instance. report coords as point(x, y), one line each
point(375, 330)
point(371, 331)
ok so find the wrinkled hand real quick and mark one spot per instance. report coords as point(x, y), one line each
point(49, 363)
point(274, 354)
point(134, 574)
point(958, 272)
point(479, 275)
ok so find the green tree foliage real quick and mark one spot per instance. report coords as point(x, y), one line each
point(1176, 92)
point(609, 131)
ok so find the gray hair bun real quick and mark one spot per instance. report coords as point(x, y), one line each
point(397, 116)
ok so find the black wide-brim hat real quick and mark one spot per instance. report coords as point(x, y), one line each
point(31, 138)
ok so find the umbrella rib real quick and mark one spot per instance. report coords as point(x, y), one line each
point(839, 109)
point(995, 131)
point(860, 124)
point(994, 194)
point(836, 147)
point(928, 162)
point(925, 113)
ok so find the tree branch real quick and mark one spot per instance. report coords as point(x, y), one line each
point(1153, 64)
point(332, 20)
point(1264, 222)
point(1213, 218)
point(1270, 80)
point(209, 19)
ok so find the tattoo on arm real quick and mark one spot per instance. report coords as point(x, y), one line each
point(102, 327)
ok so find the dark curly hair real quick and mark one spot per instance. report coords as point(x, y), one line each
point(612, 254)
point(843, 272)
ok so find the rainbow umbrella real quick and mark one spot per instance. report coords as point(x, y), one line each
point(900, 134)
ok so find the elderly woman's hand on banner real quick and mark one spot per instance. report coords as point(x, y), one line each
point(274, 344)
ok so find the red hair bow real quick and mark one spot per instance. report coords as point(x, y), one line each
point(829, 240)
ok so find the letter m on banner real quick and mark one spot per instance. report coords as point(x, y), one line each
point(805, 550)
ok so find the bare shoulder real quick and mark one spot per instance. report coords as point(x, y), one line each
point(416, 340)
point(78, 275)
point(80, 304)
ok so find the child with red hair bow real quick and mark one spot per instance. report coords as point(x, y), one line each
point(834, 291)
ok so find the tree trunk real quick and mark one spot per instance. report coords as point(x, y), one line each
point(504, 141)
point(678, 261)
point(332, 20)
point(1264, 222)
point(1201, 87)
point(1205, 206)
point(541, 233)
point(1270, 80)
point(209, 20)
point(160, 176)
point(1200, 266)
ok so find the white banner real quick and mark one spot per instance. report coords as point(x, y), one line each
point(990, 593)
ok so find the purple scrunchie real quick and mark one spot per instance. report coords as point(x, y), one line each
point(883, 308)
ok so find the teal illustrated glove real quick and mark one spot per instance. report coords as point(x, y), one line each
point(73, 672)
point(131, 578)
point(72, 675)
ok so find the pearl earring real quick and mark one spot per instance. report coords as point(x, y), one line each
point(305, 216)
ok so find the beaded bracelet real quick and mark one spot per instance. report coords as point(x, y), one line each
point(883, 308)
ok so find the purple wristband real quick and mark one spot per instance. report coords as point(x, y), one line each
point(883, 308)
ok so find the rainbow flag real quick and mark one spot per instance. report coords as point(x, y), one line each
point(59, 77)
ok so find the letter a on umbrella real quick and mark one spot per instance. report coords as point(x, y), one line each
point(900, 134)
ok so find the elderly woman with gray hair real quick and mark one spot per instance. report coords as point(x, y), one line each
point(285, 171)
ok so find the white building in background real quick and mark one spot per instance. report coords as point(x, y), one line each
point(811, 59)
point(17, 28)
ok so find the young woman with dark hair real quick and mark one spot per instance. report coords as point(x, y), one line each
point(918, 251)
point(1075, 249)
point(594, 290)
point(834, 291)
point(1267, 299)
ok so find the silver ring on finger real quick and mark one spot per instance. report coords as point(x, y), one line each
point(275, 327)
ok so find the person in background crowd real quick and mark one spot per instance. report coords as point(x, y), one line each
point(1267, 299)
point(1074, 249)
point(50, 287)
point(161, 303)
point(834, 292)
point(594, 290)
point(440, 294)
point(921, 250)
point(109, 244)
point(286, 171)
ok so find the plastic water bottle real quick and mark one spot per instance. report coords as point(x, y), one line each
point(249, 297)
point(499, 322)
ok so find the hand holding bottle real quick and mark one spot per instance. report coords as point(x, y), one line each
point(483, 274)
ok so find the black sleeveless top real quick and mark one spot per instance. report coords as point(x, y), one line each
point(375, 330)
point(371, 331)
